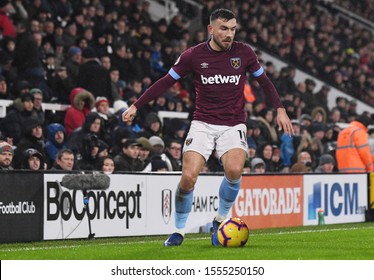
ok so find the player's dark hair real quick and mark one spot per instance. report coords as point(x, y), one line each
point(224, 14)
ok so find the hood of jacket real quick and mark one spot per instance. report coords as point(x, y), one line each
point(52, 129)
point(80, 94)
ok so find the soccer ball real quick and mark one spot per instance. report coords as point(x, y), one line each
point(233, 232)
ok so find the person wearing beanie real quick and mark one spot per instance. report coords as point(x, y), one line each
point(72, 63)
point(145, 150)
point(109, 119)
point(353, 150)
point(6, 156)
point(326, 164)
point(158, 145)
point(258, 165)
point(158, 165)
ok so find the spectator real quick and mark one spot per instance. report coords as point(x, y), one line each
point(94, 77)
point(321, 97)
point(26, 58)
point(128, 159)
point(38, 100)
point(258, 166)
point(56, 140)
point(173, 153)
point(88, 152)
point(300, 168)
point(93, 124)
point(64, 160)
point(32, 138)
point(158, 165)
point(251, 144)
point(109, 120)
point(4, 94)
point(326, 164)
point(175, 129)
point(72, 63)
point(353, 150)
point(6, 156)
point(106, 164)
point(304, 163)
point(6, 24)
point(145, 150)
point(81, 103)
point(265, 152)
point(13, 123)
point(152, 126)
point(33, 160)
point(158, 145)
point(61, 86)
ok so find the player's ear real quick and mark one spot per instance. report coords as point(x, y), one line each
point(210, 29)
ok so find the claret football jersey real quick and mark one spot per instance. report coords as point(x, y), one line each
point(219, 78)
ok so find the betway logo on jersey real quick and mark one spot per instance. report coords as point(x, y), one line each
point(219, 79)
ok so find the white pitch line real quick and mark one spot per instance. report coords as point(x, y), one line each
point(156, 241)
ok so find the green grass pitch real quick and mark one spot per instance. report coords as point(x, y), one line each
point(330, 242)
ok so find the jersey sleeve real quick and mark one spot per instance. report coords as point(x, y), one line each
point(257, 71)
point(182, 65)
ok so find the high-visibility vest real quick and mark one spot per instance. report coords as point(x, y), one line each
point(353, 150)
point(249, 94)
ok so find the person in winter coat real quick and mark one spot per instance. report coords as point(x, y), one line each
point(81, 103)
point(353, 150)
point(93, 76)
point(56, 140)
point(152, 126)
point(92, 124)
point(32, 160)
point(128, 160)
point(326, 164)
point(12, 124)
point(33, 138)
point(88, 152)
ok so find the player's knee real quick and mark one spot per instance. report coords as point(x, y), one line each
point(188, 181)
point(234, 173)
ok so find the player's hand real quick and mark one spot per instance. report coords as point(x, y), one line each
point(129, 114)
point(284, 122)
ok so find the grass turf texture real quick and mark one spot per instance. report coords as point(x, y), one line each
point(330, 242)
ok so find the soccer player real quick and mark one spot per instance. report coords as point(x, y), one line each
point(219, 72)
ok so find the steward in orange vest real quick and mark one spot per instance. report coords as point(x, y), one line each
point(353, 150)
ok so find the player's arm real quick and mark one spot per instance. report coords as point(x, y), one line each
point(283, 121)
point(154, 91)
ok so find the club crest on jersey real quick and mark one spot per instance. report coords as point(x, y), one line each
point(189, 141)
point(235, 62)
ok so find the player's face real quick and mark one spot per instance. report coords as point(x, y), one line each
point(222, 34)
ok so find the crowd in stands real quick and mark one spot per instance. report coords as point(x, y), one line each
point(95, 55)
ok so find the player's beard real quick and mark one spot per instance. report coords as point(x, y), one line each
point(220, 45)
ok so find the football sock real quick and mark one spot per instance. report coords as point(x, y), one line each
point(227, 194)
point(183, 205)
